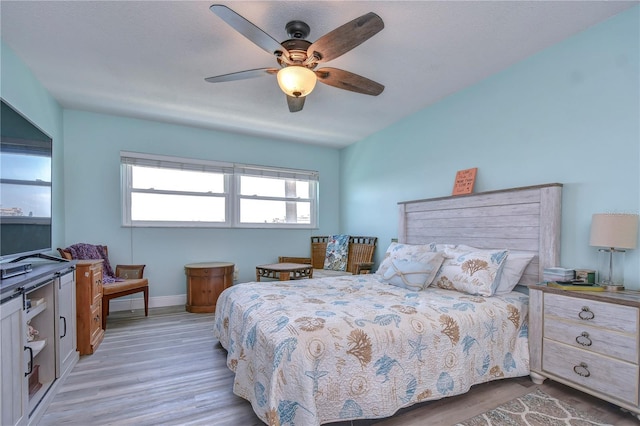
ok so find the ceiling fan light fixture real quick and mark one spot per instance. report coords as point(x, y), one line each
point(296, 81)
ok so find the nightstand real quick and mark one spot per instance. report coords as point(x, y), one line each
point(587, 340)
point(205, 282)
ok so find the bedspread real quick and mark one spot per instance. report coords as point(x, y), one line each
point(315, 351)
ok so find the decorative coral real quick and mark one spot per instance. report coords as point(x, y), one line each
point(360, 346)
point(472, 266)
point(450, 328)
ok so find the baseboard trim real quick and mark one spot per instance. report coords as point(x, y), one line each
point(126, 304)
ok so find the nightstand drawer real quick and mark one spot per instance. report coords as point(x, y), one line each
point(608, 376)
point(594, 339)
point(599, 314)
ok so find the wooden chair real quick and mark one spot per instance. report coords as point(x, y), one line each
point(359, 258)
point(133, 282)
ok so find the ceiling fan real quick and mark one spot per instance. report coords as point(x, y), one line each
point(298, 57)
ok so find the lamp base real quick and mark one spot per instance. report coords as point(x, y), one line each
point(612, 287)
point(611, 267)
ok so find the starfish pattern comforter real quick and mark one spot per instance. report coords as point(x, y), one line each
point(314, 351)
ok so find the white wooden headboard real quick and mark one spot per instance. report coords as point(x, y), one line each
point(523, 219)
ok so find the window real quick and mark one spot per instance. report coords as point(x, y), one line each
point(25, 182)
point(169, 191)
point(272, 197)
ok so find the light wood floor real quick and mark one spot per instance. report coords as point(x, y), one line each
point(168, 369)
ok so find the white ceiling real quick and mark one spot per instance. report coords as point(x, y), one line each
point(148, 59)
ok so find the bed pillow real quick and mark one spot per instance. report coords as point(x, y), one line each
point(414, 276)
point(442, 247)
point(408, 252)
point(475, 272)
point(512, 271)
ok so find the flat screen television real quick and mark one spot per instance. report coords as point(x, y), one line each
point(25, 186)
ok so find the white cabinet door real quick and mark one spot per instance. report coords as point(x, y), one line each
point(13, 409)
point(66, 324)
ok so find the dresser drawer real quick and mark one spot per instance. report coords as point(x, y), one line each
point(595, 339)
point(610, 316)
point(96, 282)
point(95, 325)
point(602, 374)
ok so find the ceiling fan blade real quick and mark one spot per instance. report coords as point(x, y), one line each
point(295, 104)
point(248, 29)
point(349, 81)
point(242, 75)
point(346, 37)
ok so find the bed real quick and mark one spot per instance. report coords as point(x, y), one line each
point(316, 351)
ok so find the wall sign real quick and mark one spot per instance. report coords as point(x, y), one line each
point(464, 181)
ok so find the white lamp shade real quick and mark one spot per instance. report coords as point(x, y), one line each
point(296, 81)
point(614, 231)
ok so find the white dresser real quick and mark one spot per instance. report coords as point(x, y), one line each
point(587, 340)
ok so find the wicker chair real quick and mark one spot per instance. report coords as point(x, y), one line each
point(133, 282)
point(359, 260)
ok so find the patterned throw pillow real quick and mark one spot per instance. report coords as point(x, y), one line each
point(512, 270)
point(337, 253)
point(408, 252)
point(474, 272)
point(442, 247)
point(414, 276)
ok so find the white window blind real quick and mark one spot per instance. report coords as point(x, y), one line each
point(276, 173)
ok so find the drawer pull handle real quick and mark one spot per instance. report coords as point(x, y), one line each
point(583, 339)
point(581, 370)
point(30, 360)
point(64, 333)
point(586, 314)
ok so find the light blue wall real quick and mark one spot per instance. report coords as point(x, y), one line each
point(92, 180)
point(569, 114)
point(20, 88)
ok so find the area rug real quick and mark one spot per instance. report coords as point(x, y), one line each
point(534, 409)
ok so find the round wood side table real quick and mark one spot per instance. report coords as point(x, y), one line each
point(205, 282)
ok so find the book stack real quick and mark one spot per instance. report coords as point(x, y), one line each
point(575, 286)
point(558, 274)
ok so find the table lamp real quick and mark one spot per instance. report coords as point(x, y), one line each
point(615, 233)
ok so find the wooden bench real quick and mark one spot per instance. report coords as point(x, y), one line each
point(359, 258)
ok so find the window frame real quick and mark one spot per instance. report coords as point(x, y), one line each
point(233, 172)
point(278, 173)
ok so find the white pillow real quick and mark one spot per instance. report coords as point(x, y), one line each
point(512, 271)
point(475, 272)
point(408, 252)
point(414, 276)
